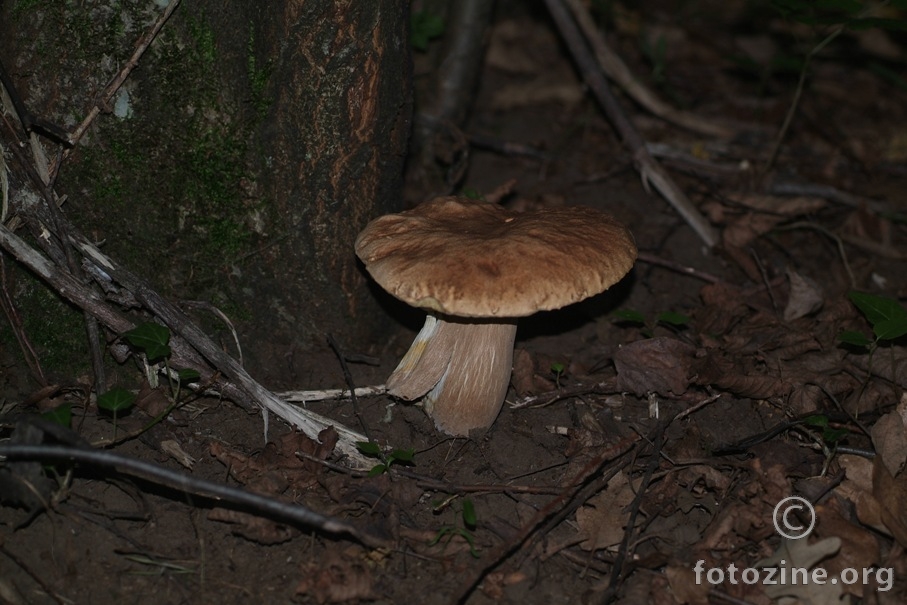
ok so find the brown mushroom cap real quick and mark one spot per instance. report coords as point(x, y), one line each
point(470, 258)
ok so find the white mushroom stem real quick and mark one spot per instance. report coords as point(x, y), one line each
point(461, 367)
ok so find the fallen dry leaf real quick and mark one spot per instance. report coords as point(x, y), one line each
point(891, 494)
point(601, 521)
point(250, 527)
point(889, 437)
point(801, 554)
point(806, 296)
point(686, 590)
point(859, 547)
point(654, 365)
point(339, 577)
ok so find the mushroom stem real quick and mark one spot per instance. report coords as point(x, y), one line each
point(461, 367)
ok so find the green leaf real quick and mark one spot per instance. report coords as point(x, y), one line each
point(369, 448)
point(877, 308)
point(818, 420)
point(62, 415)
point(673, 319)
point(378, 469)
point(151, 338)
point(405, 456)
point(857, 339)
point(469, 513)
point(631, 316)
point(889, 329)
point(558, 368)
point(833, 435)
point(116, 400)
point(188, 375)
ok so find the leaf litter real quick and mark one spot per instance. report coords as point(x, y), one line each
point(794, 410)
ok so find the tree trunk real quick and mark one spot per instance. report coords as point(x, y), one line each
point(240, 160)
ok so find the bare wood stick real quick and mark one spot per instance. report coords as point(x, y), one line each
point(264, 505)
point(307, 396)
point(618, 71)
point(649, 169)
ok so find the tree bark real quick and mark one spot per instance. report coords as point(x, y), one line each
point(240, 160)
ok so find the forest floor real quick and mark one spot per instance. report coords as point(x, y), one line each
point(672, 414)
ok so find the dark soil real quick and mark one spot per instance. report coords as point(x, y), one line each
point(757, 349)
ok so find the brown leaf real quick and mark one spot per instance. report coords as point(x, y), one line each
point(859, 548)
point(601, 521)
point(889, 437)
point(337, 578)
point(857, 487)
point(805, 297)
point(250, 527)
point(684, 586)
point(655, 365)
point(891, 493)
point(525, 377)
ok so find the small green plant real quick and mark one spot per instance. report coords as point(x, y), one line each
point(396, 456)
point(468, 519)
point(886, 316)
point(152, 339)
point(830, 435)
point(670, 319)
point(424, 26)
point(116, 401)
point(558, 369)
point(473, 194)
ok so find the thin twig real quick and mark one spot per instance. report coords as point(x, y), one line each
point(649, 169)
point(141, 46)
point(677, 267)
point(624, 552)
point(577, 482)
point(618, 71)
point(194, 486)
point(348, 377)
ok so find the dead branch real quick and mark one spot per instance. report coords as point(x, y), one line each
point(194, 486)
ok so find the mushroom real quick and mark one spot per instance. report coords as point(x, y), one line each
point(476, 267)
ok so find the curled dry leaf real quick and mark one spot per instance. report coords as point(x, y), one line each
point(655, 365)
point(805, 297)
